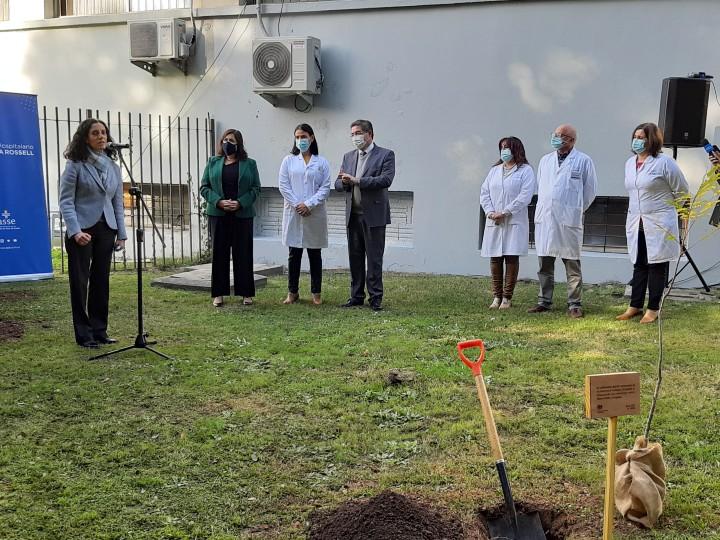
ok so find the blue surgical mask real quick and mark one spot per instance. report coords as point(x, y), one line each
point(556, 142)
point(302, 144)
point(638, 146)
point(506, 155)
point(229, 148)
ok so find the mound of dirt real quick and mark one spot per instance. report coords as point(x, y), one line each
point(10, 330)
point(388, 516)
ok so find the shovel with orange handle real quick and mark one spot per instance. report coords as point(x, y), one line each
point(512, 525)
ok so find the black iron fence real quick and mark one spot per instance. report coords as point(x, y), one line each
point(166, 159)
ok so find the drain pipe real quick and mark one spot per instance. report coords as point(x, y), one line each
point(258, 7)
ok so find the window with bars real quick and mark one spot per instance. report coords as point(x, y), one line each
point(604, 225)
point(106, 7)
point(268, 223)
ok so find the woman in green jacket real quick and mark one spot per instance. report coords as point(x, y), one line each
point(231, 185)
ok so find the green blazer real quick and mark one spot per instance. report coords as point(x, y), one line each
point(248, 187)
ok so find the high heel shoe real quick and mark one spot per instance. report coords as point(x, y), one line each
point(650, 316)
point(629, 314)
point(316, 299)
point(291, 298)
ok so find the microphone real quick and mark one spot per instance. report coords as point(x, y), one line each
point(116, 146)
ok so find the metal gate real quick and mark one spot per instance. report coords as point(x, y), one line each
point(166, 158)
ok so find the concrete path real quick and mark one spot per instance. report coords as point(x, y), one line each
point(197, 278)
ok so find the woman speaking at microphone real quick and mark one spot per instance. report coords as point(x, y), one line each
point(231, 185)
point(91, 204)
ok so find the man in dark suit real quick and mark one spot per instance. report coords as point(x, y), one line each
point(365, 176)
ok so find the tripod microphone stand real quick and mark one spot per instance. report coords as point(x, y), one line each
point(684, 250)
point(141, 341)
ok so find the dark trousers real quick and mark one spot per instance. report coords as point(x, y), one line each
point(231, 234)
point(365, 243)
point(647, 276)
point(512, 267)
point(89, 273)
point(294, 260)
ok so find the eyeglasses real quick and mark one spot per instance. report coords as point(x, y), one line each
point(565, 138)
point(353, 134)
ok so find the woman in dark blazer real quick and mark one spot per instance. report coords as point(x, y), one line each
point(91, 204)
point(231, 185)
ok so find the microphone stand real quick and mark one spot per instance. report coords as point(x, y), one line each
point(141, 341)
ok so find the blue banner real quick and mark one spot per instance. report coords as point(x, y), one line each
point(24, 231)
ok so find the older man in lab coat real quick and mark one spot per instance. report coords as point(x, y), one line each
point(566, 188)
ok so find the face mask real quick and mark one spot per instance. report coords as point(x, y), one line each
point(556, 142)
point(302, 144)
point(229, 148)
point(358, 141)
point(505, 155)
point(638, 146)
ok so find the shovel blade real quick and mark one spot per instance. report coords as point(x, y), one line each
point(529, 528)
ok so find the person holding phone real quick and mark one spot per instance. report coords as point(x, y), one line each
point(304, 182)
point(652, 180)
point(91, 204)
point(231, 185)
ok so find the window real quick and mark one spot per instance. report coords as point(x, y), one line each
point(604, 225)
point(105, 7)
point(268, 223)
point(149, 5)
point(22, 10)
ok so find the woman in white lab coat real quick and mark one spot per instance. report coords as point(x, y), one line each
point(653, 181)
point(304, 182)
point(505, 196)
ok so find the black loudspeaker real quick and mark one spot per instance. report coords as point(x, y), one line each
point(683, 110)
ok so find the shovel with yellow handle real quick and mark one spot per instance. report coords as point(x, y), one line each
point(512, 525)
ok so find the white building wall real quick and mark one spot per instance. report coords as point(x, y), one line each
point(441, 85)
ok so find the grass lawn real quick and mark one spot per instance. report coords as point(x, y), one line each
point(269, 412)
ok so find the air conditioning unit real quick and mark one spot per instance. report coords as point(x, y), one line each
point(287, 66)
point(152, 41)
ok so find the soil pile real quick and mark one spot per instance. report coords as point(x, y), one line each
point(388, 516)
point(10, 330)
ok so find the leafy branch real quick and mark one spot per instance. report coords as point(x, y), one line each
point(689, 209)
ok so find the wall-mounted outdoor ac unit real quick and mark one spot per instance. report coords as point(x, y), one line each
point(287, 66)
point(152, 41)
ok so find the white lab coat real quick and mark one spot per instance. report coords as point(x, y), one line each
point(652, 190)
point(309, 184)
point(510, 195)
point(565, 192)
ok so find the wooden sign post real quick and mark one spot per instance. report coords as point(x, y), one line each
point(609, 396)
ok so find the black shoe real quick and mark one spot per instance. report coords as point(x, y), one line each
point(105, 340)
point(376, 306)
point(538, 309)
point(89, 344)
point(352, 303)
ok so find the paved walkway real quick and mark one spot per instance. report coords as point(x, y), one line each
point(197, 278)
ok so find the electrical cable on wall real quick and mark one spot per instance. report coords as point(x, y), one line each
point(282, 5)
point(200, 79)
point(258, 9)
